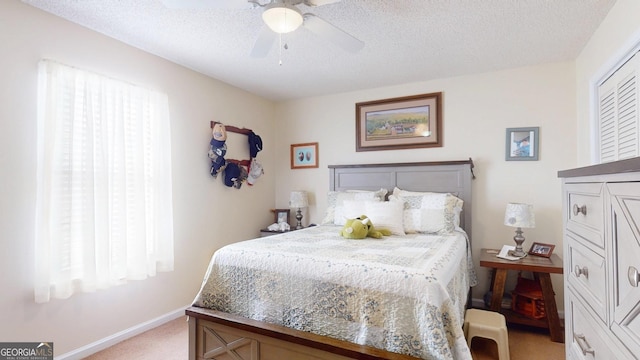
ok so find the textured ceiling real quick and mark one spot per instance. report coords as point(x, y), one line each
point(405, 40)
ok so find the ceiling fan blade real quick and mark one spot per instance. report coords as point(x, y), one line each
point(264, 42)
point(319, 2)
point(332, 33)
point(208, 4)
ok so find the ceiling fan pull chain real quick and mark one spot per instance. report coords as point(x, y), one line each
point(280, 49)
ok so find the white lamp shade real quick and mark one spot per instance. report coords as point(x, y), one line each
point(519, 215)
point(298, 199)
point(282, 18)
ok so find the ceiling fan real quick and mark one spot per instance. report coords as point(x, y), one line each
point(280, 17)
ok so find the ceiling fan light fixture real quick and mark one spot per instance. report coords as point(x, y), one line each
point(282, 18)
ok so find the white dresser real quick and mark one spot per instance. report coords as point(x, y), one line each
point(601, 214)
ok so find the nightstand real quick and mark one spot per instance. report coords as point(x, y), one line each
point(267, 232)
point(541, 268)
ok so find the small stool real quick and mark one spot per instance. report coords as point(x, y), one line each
point(489, 325)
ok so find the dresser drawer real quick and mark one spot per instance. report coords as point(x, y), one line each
point(625, 236)
point(586, 273)
point(585, 338)
point(585, 211)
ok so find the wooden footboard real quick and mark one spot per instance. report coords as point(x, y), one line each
point(218, 335)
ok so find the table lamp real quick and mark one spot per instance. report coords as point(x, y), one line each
point(298, 199)
point(519, 216)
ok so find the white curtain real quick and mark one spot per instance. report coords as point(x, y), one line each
point(104, 200)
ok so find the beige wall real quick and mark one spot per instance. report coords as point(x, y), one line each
point(617, 35)
point(207, 214)
point(477, 110)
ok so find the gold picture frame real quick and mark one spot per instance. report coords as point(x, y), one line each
point(304, 156)
point(399, 123)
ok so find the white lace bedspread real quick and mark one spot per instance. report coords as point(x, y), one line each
point(403, 294)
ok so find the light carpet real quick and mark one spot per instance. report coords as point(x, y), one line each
point(169, 341)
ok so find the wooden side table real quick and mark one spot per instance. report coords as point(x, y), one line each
point(267, 232)
point(541, 268)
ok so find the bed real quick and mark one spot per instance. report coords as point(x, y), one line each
point(310, 294)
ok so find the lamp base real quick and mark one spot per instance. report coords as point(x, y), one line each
point(513, 253)
point(299, 218)
point(519, 239)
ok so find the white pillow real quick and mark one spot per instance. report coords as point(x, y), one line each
point(386, 215)
point(383, 214)
point(350, 209)
point(335, 203)
point(427, 212)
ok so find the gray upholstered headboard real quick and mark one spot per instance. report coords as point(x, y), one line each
point(446, 176)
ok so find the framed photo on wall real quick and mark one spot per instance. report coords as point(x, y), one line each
point(522, 144)
point(304, 156)
point(399, 123)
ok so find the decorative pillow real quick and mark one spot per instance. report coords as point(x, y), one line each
point(436, 213)
point(351, 209)
point(335, 203)
point(386, 215)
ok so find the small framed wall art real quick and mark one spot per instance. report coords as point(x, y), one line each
point(522, 144)
point(304, 156)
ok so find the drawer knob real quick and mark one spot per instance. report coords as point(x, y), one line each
point(579, 209)
point(581, 271)
point(634, 277)
point(584, 345)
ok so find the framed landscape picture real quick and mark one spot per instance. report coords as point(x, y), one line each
point(399, 123)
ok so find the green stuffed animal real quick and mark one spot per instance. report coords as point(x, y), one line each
point(360, 228)
point(355, 229)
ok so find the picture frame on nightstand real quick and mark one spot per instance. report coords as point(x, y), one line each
point(281, 215)
point(540, 249)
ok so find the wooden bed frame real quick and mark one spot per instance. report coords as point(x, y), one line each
point(218, 335)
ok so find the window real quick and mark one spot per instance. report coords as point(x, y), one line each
point(104, 211)
point(618, 113)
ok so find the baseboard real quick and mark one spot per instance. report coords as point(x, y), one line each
point(479, 303)
point(121, 336)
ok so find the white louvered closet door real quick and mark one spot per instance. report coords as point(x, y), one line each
point(618, 113)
